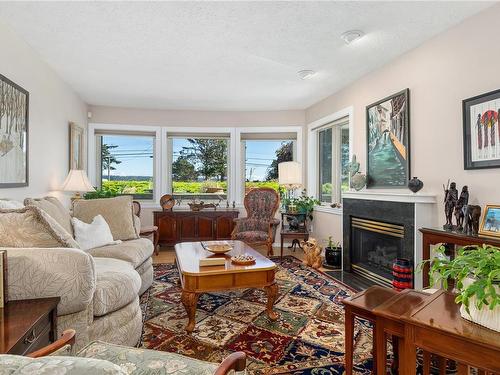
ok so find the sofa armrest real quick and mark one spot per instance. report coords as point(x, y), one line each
point(52, 272)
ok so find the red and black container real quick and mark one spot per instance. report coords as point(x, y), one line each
point(402, 272)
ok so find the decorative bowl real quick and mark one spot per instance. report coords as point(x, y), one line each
point(243, 259)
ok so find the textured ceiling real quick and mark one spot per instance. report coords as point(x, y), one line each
point(222, 55)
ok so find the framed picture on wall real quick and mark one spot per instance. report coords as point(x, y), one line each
point(76, 146)
point(481, 115)
point(14, 116)
point(388, 141)
point(490, 222)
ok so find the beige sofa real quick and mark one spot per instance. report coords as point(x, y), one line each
point(99, 288)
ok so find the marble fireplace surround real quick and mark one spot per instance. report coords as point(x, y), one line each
point(413, 211)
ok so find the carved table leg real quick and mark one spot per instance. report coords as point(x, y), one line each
point(189, 300)
point(272, 295)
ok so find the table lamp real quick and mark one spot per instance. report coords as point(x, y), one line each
point(77, 181)
point(290, 176)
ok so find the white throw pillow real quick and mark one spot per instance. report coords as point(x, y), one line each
point(95, 234)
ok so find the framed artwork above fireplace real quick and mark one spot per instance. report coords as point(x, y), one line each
point(388, 141)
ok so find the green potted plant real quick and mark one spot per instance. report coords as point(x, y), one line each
point(476, 271)
point(100, 193)
point(333, 254)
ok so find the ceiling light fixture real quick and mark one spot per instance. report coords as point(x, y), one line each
point(350, 36)
point(305, 74)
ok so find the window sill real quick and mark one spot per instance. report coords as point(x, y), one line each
point(329, 210)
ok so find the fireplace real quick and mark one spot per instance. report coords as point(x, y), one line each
point(374, 246)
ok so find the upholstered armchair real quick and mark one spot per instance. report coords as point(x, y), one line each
point(259, 227)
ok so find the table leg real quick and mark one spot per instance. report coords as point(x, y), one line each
point(189, 300)
point(426, 254)
point(427, 363)
point(442, 365)
point(272, 295)
point(409, 357)
point(395, 350)
point(156, 238)
point(281, 249)
point(379, 348)
point(462, 369)
point(349, 337)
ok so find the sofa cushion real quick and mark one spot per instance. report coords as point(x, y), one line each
point(55, 209)
point(134, 251)
point(118, 213)
point(144, 361)
point(117, 285)
point(32, 227)
point(95, 234)
point(16, 364)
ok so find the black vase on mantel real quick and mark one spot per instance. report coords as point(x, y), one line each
point(415, 184)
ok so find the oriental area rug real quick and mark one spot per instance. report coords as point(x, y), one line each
point(307, 338)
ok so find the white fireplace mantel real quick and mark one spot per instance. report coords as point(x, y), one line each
point(391, 196)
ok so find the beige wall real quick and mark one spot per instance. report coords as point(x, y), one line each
point(458, 64)
point(52, 105)
point(133, 116)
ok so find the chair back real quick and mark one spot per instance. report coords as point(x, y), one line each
point(262, 203)
point(136, 208)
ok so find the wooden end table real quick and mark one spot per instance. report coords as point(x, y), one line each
point(362, 305)
point(28, 325)
point(196, 280)
point(437, 327)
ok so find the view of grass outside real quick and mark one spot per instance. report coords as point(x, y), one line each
point(127, 165)
point(199, 166)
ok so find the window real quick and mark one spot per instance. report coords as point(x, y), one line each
point(333, 160)
point(127, 164)
point(199, 167)
point(261, 155)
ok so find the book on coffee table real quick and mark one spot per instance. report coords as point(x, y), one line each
point(216, 261)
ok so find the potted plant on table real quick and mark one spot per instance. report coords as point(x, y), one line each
point(476, 271)
point(333, 254)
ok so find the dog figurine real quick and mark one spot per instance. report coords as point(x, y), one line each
point(313, 253)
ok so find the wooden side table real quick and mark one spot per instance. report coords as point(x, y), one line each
point(388, 322)
point(28, 325)
point(431, 236)
point(437, 327)
point(295, 234)
point(362, 305)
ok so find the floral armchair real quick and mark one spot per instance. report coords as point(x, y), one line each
point(259, 227)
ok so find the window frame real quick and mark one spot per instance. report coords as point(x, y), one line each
point(313, 154)
point(162, 169)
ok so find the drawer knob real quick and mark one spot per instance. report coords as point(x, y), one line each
point(30, 339)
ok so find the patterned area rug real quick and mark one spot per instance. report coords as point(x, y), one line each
point(307, 338)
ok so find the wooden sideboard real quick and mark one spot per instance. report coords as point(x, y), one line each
point(185, 225)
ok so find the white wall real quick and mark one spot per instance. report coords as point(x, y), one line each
point(52, 105)
point(458, 64)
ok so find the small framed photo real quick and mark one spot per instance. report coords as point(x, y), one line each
point(76, 146)
point(490, 223)
point(481, 115)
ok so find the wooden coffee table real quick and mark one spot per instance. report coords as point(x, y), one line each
point(196, 280)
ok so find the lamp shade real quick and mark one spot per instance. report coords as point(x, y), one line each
point(290, 173)
point(77, 181)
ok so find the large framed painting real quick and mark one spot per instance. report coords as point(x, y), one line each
point(76, 146)
point(481, 115)
point(388, 141)
point(14, 111)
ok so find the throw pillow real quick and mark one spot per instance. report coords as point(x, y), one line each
point(32, 227)
point(55, 209)
point(118, 213)
point(95, 234)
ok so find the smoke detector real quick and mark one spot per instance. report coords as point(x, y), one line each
point(350, 36)
point(306, 73)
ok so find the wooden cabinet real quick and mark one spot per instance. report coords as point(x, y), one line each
point(185, 225)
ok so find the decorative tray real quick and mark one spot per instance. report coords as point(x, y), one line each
point(243, 259)
point(217, 247)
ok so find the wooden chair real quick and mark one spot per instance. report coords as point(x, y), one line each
point(259, 227)
point(149, 230)
point(233, 362)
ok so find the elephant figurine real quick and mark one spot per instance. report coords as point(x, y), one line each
point(472, 215)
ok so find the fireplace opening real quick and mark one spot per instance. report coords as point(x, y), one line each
point(374, 247)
